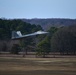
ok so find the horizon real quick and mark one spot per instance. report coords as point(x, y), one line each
point(17, 9)
point(36, 18)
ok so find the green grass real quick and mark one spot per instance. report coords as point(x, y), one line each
point(37, 66)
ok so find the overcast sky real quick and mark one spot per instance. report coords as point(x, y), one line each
point(38, 9)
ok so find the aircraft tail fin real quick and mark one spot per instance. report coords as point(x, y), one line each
point(16, 34)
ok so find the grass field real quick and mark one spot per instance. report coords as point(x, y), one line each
point(37, 66)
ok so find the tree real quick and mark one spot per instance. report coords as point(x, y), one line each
point(52, 30)
point(43, 47)
point(64, 40)
point(25, 44)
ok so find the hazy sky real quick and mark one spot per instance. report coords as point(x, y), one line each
point(38, 9)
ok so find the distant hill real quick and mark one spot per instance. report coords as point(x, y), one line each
point(47, 23)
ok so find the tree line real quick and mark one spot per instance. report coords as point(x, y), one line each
point(6, 28)
point(59, 39)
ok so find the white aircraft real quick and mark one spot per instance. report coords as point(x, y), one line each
point(18, 35)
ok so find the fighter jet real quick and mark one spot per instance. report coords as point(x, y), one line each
point(18, 35)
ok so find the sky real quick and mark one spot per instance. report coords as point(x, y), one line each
point(12, 9)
